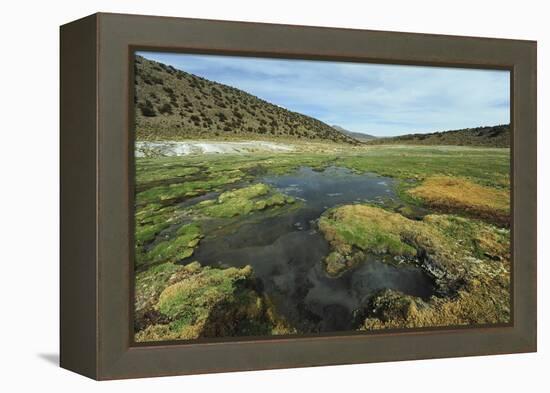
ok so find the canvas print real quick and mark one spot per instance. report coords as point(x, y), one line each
point(300, 197)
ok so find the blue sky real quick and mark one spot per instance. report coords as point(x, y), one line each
point(383, 100)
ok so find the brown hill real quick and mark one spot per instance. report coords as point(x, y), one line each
point(492, 136)
point(174, 105)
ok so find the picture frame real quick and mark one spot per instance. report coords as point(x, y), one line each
point(96, 142)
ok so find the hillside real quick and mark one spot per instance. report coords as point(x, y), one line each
point(355, 135)
point(174, 105)
point(493, 136)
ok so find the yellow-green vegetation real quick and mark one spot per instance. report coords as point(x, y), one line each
point(244, 201)
point(450, 215)
point(459, 194)
point(455, 179)
point(353, 230)
point(448, 241)
point(468, 259)
point(485, 166)
point(152, 248)
point(177, 191)
point(193, 301)
point(193, 176)
point(477, 303)
point(410, 164)
point(175, 248)
point(161, 171)
point(466, 251)
point(480, 301)
point(184, 302)
point(149, 284)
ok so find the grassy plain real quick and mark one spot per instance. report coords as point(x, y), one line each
point(463, 242)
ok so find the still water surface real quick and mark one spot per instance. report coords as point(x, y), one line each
point(286, 251)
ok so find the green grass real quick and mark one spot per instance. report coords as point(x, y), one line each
point(362, 228)
point(152, 170)
point(449, 239)
point(180, 191)
point(151, 282)
point(190, 300)
point(485, 166)
point(179, 247)
point(193, 301)
point(234, 176)
point(469, 259)
point(243, 201)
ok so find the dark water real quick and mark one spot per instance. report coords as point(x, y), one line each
point(286, 252)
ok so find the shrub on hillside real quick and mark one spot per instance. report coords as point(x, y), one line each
point(147, 109)
point(166, 109)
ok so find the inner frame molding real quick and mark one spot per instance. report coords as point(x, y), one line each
point(97, 208)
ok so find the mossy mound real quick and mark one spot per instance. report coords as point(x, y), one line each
point(151, 282)
point(355, 230)
point(150, 221)
point(468, 259)
point(193, 301)
point(365, 227)
point(174, 192)
point(243, 201)
point(179, 247)
point(444, 243)
point(175, 248)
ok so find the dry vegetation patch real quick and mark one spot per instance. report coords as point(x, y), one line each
point(452, 194)
point(468, 259)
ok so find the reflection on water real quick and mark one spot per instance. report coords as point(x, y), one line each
point(286, 252)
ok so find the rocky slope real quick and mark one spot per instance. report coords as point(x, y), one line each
point(174, 105)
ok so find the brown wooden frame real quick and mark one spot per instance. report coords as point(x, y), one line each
point(97, 209)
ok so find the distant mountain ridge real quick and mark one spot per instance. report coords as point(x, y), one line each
point(487, 136)
point(173, 105)
point(356, 135)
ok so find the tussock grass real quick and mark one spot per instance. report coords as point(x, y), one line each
point(201, 301)
point(483, 301)
point(468, 255)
